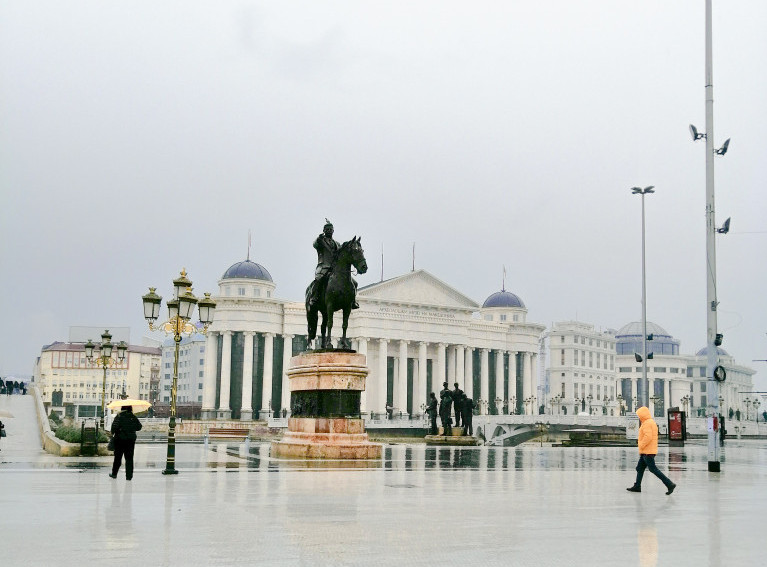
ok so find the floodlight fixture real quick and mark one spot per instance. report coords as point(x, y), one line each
point(725, 227)
point(695, 134)
point(723, 150)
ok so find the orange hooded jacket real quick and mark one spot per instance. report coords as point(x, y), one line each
point(648, 433)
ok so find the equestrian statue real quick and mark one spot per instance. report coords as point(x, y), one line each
point(333, 288)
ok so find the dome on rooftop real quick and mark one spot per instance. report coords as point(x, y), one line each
point(503, 298)
point(635, 328)
point(719, 350)
point(248, 270)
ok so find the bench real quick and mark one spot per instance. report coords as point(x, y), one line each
point(228, 433)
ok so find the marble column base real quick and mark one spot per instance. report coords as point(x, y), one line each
point(208, 414)
point(246, 415)
point(224, 414)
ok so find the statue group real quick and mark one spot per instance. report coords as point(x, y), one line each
point(451, 402)
point(333, 288)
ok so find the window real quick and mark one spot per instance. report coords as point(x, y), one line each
point(624, 369)
point(241, 291)
point(516, 318)
point(703, 401)
point(583, 340)
point(583, 358)
point(563, 339)
point(562, 362)
point(591, 360)
point(503, 318)
point(702, 371)
point(660, 369)
point(200, 374)
point(575, 357)
point(256, 292)
point(703, 388)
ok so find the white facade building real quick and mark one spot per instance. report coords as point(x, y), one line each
point(191, 367)
point(416, 331)
point(64, 375)
point(582, 373)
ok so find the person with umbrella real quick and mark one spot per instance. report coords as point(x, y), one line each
point(124, 428)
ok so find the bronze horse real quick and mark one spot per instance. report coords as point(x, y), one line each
point(337, 294)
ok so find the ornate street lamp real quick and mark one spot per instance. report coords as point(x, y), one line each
point(101, 355)
point(180, 312)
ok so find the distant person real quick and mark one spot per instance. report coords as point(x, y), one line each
point(467, 413)
point(431, 410)
point(648, 448)
point(458, 395)
point(2, 429)
point(124, 428)
point(9, 387)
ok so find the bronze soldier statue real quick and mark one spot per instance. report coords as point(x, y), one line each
point(458, 396)
point(445, 405)
point(326, 248)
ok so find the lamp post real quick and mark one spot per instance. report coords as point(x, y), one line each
point(685, 402)
point(180, 310)
point(589, 398)
point(643, 386)
point(103, 358)
point(654, 399)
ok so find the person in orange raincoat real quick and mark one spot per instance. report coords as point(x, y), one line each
point(648, 448)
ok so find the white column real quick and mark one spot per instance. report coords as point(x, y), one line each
point(421, 395)
point(634, 394)
point(499, 380)
point(526, 390)
point(441, 376)
point(287, 354)
point(382, 378)
point(534, 379)
point(209, 383)
point(460, 370)
point(451, 365)
point(400, 384)
point(468, 373)
point(224, 411)
point(513, 379)
point(246, 413)
point(362, 348)
point(266, 392)
point(484, 378)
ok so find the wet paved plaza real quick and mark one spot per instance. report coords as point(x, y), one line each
point(527, 505)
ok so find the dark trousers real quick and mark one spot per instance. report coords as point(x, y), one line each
point(124, 448)
point(648, 462)
point(457, 417)
point(467, 423)
point(433, 430)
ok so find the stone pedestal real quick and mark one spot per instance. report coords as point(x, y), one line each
point(325, 420)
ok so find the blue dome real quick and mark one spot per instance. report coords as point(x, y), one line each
point(247, 269)
point(503, 299)
point(628, 340)
point(719, 350)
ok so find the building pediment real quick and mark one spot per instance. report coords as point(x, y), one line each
point(417, 288)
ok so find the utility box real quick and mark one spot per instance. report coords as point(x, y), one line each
point(677, 427)
point(89, 435)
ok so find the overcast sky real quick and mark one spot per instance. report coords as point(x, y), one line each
point(137, 138)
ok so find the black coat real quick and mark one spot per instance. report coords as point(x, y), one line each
point(125, 425)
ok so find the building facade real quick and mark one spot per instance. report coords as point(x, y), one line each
point(67, 380)
point(582, 374)
point(415, 330)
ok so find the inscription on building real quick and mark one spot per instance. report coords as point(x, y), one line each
point(416, 312)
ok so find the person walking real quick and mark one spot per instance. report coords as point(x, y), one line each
point(647, 441)
point(123, 430)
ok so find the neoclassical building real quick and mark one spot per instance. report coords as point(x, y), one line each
point(416, 331)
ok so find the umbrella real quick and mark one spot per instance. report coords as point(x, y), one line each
point(137, 405)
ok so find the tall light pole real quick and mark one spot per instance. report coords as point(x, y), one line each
point(103, 358)
point(713, 372)
point(642, 390)
point(180, 310)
